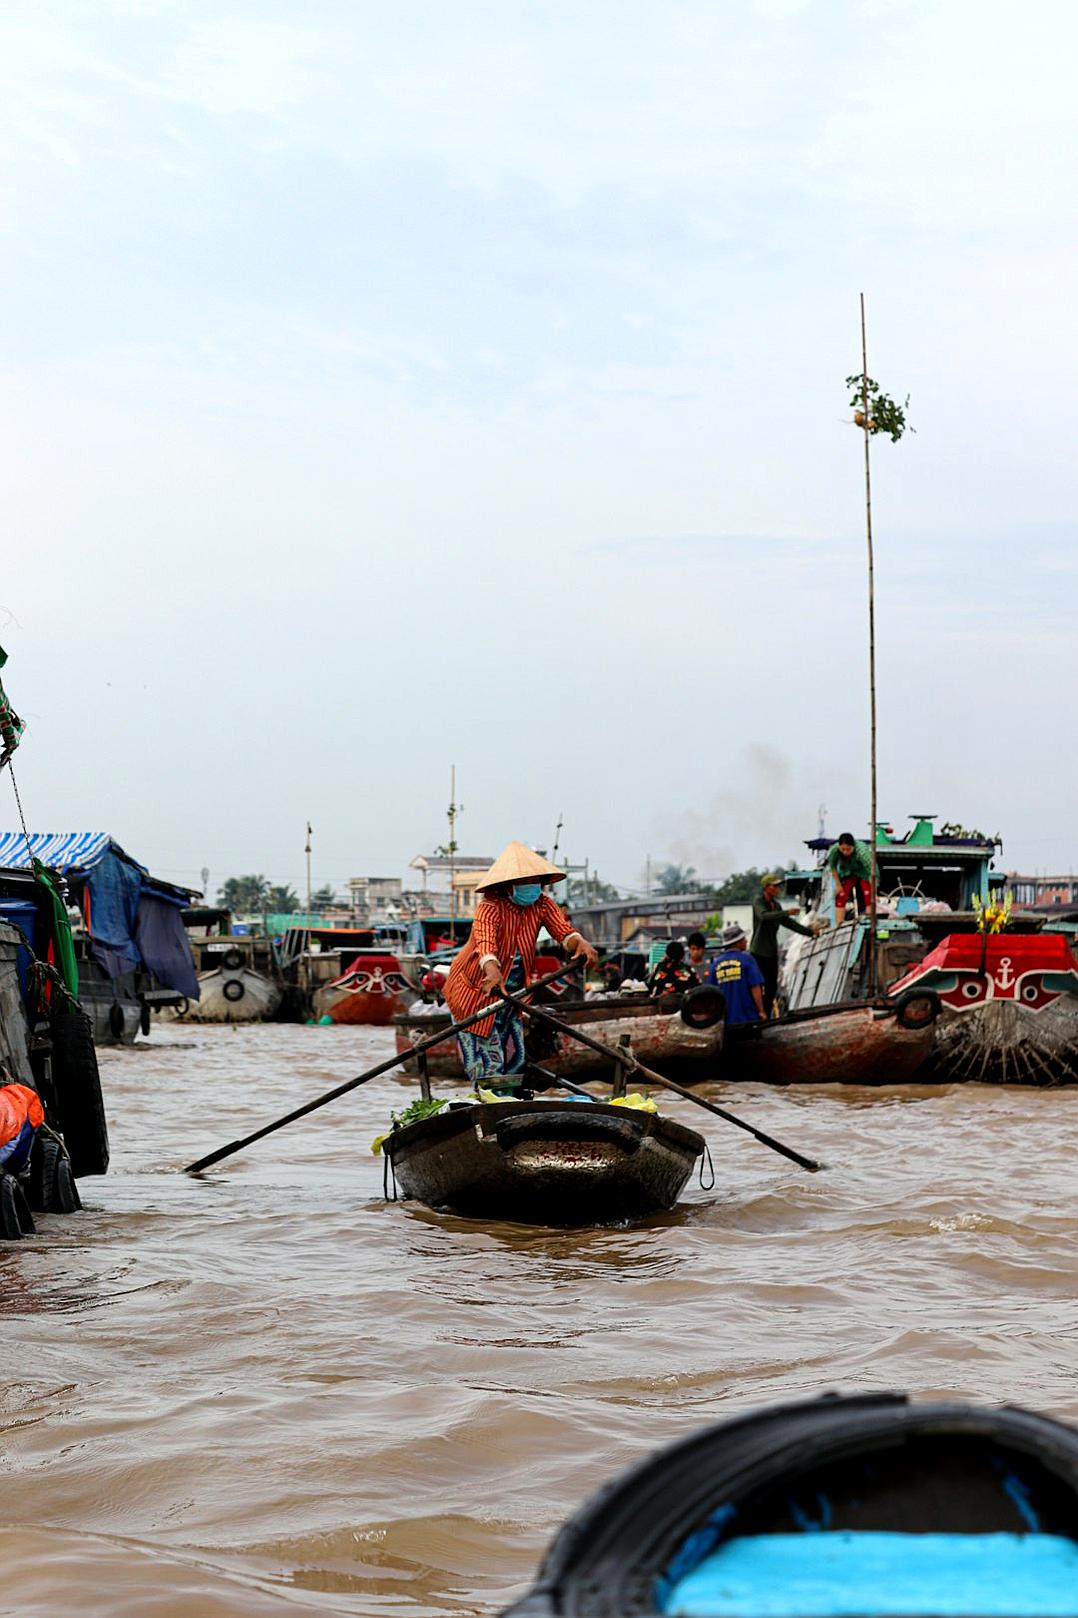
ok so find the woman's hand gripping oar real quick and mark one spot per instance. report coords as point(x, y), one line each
point(629, 1060)
point(372, 1073)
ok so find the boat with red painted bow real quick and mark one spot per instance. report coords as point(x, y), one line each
point(1005, 981)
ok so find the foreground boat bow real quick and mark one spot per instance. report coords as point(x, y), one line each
point(870, 1505)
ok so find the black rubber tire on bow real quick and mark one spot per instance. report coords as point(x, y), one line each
point(231, 959)
point(117, 1021)
point(906, 1016)
point(11, 1220)
point(80, 1105)
point(51, 1185)
point(65, 1193)
point(238, 988)
point(703, 1006)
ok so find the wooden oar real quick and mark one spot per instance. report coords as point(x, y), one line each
point(629, 1060)
point(372, 1073)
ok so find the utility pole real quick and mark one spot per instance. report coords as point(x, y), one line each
point(451, 846)
point(308, 853)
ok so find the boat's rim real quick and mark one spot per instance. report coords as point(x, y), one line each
point(460, 1116)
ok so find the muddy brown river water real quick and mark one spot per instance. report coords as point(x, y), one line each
point(267, 1391)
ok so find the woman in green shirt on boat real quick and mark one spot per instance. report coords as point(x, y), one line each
point(850, 864)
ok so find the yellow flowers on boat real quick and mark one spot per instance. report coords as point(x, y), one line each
point(993, 916)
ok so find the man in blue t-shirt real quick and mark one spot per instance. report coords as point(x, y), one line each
point(736, 973)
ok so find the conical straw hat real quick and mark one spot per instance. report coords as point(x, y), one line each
point(516, 863)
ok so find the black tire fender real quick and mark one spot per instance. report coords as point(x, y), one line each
point(15, 1217)
point(917, 1008)
point(79, 1102)
point(116, 1020)
point(703, 1007)
point(144, 1019)
point(231, 960)
point(233, 991)
point(183, 1007)
point(51, 1184)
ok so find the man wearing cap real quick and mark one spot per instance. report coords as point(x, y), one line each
point(767, 917)
point(500, 954)
point(736, 973)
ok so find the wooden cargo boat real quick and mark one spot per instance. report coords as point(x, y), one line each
point(238, 980)
point(1008, 1000)
point(659, 1037)
point(348, 974)
point(544, 1162)
point(868, 1505)
point(855, 1042)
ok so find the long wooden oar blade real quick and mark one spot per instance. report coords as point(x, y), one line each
point(363, 1078)
point(648, 1073)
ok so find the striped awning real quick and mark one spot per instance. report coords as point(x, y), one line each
point(60, 851)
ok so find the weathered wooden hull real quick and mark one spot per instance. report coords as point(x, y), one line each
point(235, 994)
point(853, 1044)
point(545, 1162)
point(1004, 1043)
point(659, 1039)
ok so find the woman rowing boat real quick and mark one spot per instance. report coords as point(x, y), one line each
point(499, 955)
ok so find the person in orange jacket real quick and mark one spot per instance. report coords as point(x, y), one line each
point(21, 1116)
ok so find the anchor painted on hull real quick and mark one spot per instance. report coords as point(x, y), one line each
point(967, 970)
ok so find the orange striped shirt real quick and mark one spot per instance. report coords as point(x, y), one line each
point(501, 929)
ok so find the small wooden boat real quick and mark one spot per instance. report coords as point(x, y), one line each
point(372, 991)
point(238, 979)
point(234, 994)
point(858, 1042)
point(861, 1505)
point(544, 1162)
point(659, 1036)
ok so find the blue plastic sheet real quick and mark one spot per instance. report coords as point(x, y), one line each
point(114, 888)
point(162, 943)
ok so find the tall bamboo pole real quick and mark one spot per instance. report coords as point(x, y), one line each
point(866, 429)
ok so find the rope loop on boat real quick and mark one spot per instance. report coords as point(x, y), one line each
point(710, 1186)
point(388, 1171)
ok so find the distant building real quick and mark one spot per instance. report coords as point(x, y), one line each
point(616, 922)
point(376, 898)
point(437, 869)
point(1041, 891)
point(464, 890)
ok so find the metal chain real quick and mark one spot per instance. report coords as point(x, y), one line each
point(22, 817)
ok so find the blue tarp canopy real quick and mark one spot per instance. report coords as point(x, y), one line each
point(133, 919)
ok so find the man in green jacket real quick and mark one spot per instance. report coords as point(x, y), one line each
point(767, 917)
point(850, 864)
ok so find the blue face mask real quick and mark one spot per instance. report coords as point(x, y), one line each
point(526, 893)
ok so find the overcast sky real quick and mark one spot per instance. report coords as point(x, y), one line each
point(389, 387)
